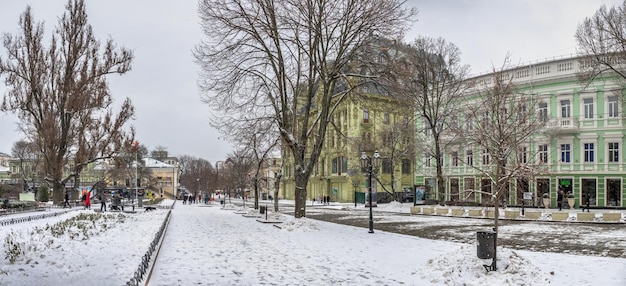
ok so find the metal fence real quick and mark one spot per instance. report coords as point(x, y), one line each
point(146, 266)
point(30, 218)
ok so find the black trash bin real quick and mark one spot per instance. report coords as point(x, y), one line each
point(262, 209)
point(486, 242)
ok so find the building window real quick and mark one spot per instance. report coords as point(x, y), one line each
point(522, 115)
point(613, 192)
point(565, 109)
point(485, 157)
point(406, 120)
point(613, 107)
point(565, 153)
point(340, 165)
point(366, 115)
point(588, 190)
point(454, 122)
point(455, 158)
point(386, 166)
point(543, 153)
point(588, 105)
point(469, 123)
point(427, 158)
point(486, 118)
point(589, 152)
point(613, 152)
point(469, 157)
point(406, 166)
point(522, 155)
point(543, 112)
point(386, 118)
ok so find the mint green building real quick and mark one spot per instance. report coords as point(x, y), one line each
point(579, 148)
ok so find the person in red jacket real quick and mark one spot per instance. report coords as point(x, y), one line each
point(88, 200)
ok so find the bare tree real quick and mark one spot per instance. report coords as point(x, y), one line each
point(61, 95)
point(130, 167)
point(242, 165)
point(431, 76)
point(602, 43)
point(397, 144)
point(25, 152)
point(501, 126)
point(196, 174)
point(281, 60)
point(261, 142)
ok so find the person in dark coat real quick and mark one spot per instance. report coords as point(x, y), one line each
point(67, 200)
point(103, 203)
point(559, 198)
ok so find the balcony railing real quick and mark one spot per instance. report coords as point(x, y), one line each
point(562, 125)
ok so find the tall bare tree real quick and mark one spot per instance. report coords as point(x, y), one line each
point(397, 144)
point(431, 75)
point(61, 94)
point(501, 125)
point(285, 58)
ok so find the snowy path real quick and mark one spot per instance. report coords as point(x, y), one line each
point(235, 255)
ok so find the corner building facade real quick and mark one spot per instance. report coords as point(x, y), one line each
point(580, 145)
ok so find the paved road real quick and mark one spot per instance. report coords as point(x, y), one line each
point(563, 237)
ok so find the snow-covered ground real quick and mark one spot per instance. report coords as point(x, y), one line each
point(209, 245)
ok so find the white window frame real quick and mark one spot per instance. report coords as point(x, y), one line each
point(589, 152)
point(543, 112)
point(566, 108)
point(612, 107)
point(610, 152)
point(565, 151)
point(588, 108)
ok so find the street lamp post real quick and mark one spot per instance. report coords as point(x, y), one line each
point(355, 184)
point(368, 166)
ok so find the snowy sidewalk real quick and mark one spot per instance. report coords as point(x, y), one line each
point(211, 246)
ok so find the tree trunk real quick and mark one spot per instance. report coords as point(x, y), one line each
point(58, 192)
point(256, 196)
point(300, 195)
point(276, 198)
point(441, 184)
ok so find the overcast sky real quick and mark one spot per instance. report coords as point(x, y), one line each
point(162, 34)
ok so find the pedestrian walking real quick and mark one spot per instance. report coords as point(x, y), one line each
point(559, 198)
point(103, 203)
point(67, 200)
point(587, 198)
point(88, 200)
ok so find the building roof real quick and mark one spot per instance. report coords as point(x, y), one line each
point(152, 163)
